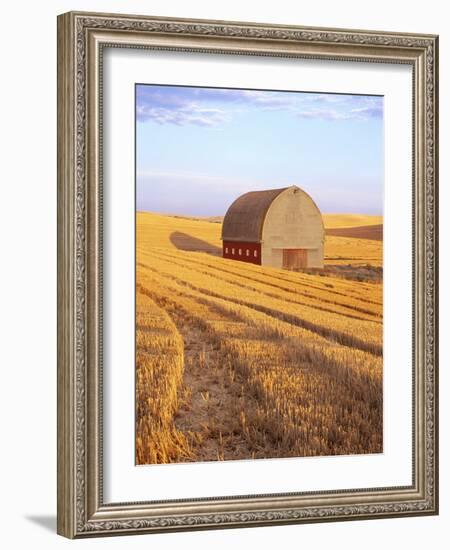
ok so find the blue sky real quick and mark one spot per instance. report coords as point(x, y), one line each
point(197, 149)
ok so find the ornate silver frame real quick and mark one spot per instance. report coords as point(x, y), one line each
point(81, 37)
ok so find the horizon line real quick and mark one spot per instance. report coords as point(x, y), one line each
point(219, 215)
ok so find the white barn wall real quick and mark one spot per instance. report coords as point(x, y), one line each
point(292, 221)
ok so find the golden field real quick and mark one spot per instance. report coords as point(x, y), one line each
point(332, 221)
point(238, 361)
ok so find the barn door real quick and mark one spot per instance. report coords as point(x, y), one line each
point(295, 258)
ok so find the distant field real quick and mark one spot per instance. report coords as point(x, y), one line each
point(350, 220)
point(372, 232)
point(238, 361)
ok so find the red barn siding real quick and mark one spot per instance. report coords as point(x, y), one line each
point(247, 251)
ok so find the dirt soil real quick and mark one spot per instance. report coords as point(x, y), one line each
point(371, 232)
point(362, 273)
point(211, 399)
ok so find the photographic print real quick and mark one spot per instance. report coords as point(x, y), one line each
point(259, 274)
point(247, 274)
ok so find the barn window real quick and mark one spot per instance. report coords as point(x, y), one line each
point(255, 253)
point(232, 251)
point(240, 252)
point(247, 252)
point(226, 250)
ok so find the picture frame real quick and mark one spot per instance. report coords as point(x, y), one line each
point(83, 39)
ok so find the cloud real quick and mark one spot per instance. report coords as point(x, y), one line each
point(208, 107)
point(324, 114)
point(370, 109)
point(189, 114)
point(207, 194)
point(268, 100)
point(181, 106)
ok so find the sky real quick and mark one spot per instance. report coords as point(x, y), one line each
point(198, 149)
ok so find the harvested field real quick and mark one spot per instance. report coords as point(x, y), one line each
point(238, 361)
point(350, 220)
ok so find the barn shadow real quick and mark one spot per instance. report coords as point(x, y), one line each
point(183, 241)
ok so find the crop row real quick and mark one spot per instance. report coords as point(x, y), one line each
point(293, 292)
point(159, 374)
point(365, 335)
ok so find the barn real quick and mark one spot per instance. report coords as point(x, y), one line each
point(276, 227)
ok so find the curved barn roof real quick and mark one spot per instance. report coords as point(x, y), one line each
point(245, 217)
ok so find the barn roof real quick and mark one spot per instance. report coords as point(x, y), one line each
point(245, 217)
